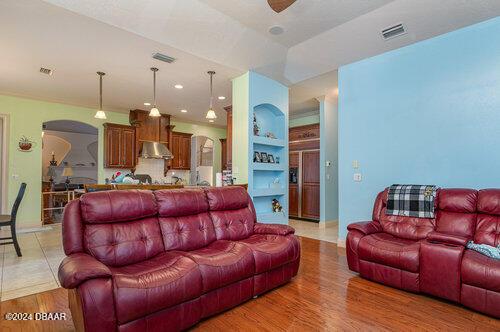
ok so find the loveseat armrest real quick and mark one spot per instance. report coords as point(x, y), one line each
point(365, 227)
point(437, 237)
point(275, 229)
point(79, 267)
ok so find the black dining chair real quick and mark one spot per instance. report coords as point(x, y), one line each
point(10, 220)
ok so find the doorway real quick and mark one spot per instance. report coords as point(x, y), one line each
point(304, 177)
point(69, 161)
point(202, 161)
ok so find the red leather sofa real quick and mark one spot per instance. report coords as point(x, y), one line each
point(430, 255)
point(160, 261)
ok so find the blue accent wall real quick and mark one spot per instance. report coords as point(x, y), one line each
point(428, 113)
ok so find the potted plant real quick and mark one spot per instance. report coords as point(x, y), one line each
point(25, 144)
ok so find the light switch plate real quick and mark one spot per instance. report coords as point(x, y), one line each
point(355, 164)
point(357, 177)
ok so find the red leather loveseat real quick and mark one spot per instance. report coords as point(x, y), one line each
point(429, 255)
point(156, 261)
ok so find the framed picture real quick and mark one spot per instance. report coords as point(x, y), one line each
point(257, 157)
point(270, 158)
point(263, 156)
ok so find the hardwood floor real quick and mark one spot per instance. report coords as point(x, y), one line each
point(325, 295)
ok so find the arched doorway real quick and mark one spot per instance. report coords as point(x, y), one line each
point(69, 161)
point(202, 160)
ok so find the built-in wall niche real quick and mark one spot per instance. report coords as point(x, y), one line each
point(264, 208)
point(268, 150)
point(269, 183)
point(269, 122)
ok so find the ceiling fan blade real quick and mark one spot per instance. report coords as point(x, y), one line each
point(280, 5)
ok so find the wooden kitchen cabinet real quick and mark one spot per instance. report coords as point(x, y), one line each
point(181, 149)
point(119, 146)
point(294, 159)
point(223, 145)
point(310, 184)
point(293, 196)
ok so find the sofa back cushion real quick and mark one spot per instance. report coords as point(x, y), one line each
point(117, 205)
point(410, 228)
point(184, 220)
point(457, 212)
point(488, 218)
point(232, 212)
point(120, 227)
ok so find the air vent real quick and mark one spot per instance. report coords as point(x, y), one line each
point(394, 31)
point(163, 57)
point(46, 71)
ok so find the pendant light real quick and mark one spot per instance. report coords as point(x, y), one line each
point(211, 114)
point(154, 111)
point(100, 113)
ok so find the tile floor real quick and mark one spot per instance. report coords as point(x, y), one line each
point(315, 231)
point(36, 270)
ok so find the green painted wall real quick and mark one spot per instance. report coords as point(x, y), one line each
point(241, 127)
point(26, 117)
point(305, 120)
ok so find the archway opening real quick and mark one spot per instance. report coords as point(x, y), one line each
point(69, 161)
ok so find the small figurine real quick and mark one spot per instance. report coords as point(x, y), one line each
point(276, 206)
point(256, 128)
point(270, 135)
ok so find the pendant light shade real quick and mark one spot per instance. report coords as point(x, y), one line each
point(210, 113)
point(154, 110)
point(100, 113)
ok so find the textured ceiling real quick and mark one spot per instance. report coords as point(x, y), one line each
point(76, 38)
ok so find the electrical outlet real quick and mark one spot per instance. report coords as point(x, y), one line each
point(357, 177)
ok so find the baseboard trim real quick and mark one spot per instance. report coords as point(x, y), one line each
point(341, 243)
point(30, 229)
point(324, 224)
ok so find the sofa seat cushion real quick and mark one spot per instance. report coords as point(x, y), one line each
point(271, 251)
point(155, 284)
point(222, 263)
point(386, 249)
point(481, 271)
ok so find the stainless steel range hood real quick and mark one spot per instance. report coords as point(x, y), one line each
point(155, 150)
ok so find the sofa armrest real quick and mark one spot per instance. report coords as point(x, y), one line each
point(365, 227)
point(275, 229)
point(437, 237)
point(79, 267)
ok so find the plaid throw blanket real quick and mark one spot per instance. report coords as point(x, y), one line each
point(411, 201)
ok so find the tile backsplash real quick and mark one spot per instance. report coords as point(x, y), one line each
point(155, 167)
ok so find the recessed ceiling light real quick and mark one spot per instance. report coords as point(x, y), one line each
point(178, 86)
point(147, 104)
point(276, 30)
point(210, 120)
point(222, 97)
point(184, 111)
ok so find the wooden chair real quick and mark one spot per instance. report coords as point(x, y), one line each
point(10, 220)
point(90, 188)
